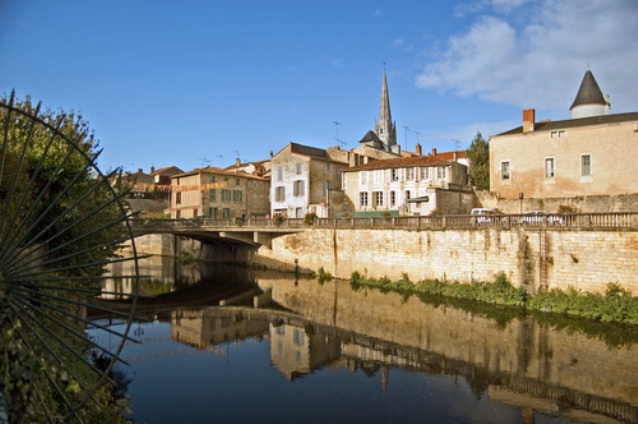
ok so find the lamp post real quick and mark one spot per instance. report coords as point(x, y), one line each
point(520, 201)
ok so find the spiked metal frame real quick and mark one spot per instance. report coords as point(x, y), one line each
point(45, 289)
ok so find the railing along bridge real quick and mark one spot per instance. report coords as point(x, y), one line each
point(582, 221)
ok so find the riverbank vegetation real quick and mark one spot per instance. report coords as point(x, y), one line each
point(617, 305)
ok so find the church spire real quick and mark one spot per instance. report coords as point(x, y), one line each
point(384, 127)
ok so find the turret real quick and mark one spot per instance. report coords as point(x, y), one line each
point(589, 100)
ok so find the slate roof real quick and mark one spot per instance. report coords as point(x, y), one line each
point(370, 136)
point(589, 92)
point(576, 123)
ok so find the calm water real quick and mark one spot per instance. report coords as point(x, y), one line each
point(325, 353)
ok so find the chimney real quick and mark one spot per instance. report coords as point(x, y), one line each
point(237, 162)
point(152, 169)
point(140, 170)
point(434, 151)
point(529, 118)
point(418, 150)
point(456, 156)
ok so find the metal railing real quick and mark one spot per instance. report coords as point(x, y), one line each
point(607, 221)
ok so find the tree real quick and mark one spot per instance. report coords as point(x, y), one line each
point(479, 157)
point(61, 224)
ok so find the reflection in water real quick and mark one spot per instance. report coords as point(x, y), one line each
point(545, 372)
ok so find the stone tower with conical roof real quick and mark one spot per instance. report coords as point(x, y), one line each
point(589, 101)
point(384, 128)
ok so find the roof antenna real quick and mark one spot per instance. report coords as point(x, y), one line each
point(337, 123)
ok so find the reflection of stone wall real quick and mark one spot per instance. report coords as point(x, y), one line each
point(587, 260)
point(554, 358)
point(154, 244)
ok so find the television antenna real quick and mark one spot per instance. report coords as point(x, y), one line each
point(221, 159)
point(205, 161)
point(407, 129)
point(456, 143)
point(418, 133)
point(337, 123)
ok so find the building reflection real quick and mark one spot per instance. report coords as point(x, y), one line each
point(297, 350)
point(515, 360)
point(206, 328)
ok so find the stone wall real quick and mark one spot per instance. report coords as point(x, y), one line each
point(582, 204)
point(586, 260)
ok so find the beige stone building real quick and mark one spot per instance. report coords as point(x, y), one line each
point(417, 185)
point(214, 193)
point(304, 180)
point(591, 154)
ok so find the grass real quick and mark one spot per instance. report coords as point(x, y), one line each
point(617, 305)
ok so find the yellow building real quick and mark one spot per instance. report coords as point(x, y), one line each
point(591, 154)
point(214, 193)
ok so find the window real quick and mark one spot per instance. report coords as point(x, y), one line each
point(378, 198)
point(408, 195)
point(237, 181)
point(378, 176)
point(363, 199)
point(212, 195)
point(178, 198)
point(298, 337)
point(409, 174)
point(280, 194)
point(226, 195)
point(395, 174)
point(226, 213)
point(364, 177)
point(393, 198)
point(238, 196)
point(440, 172)
point(425, 174)
point(558, 134)
point(549, 168)
point(212, 179)
point(585, 165)
point(280, 173)
point(505, 171)
point(298, 188)
point(298, 169)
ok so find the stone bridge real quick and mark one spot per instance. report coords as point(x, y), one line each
point(224, 232)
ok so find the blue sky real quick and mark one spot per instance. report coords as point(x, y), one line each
point(193, 83)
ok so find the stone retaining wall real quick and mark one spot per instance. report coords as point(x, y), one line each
point(586, 260)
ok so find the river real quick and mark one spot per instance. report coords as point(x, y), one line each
point(287, 348)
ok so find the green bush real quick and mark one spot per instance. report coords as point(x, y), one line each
point(309, 218)
point(323, 276)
